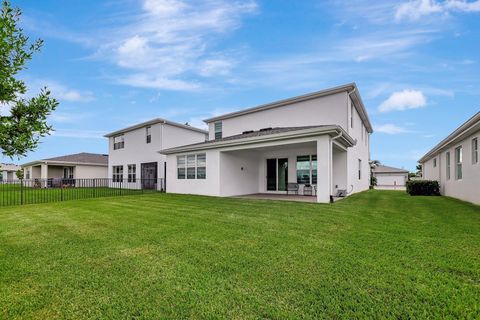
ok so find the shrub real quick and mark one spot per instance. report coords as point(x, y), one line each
point(423, 188)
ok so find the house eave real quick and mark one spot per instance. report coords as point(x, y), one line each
point(334, 131)
point(466, 129)
point(152, 122)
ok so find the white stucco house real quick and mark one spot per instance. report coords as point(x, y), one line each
point(316, 141)
point(133, 151)
point(390, 177)
point(52, 171)
point(454, 162)
point(9, 172)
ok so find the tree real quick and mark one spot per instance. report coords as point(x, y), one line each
point(19, 174)
point(419, 170)
point(373, 164)
point(26, 123)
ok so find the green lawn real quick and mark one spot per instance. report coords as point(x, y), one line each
point(379, 254)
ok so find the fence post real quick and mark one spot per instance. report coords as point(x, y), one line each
point(61, 192)
point(21, 191)
point(94, 193)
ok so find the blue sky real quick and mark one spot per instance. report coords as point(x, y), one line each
point(115, 63)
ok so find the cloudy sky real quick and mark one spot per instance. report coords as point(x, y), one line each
point(115, 63)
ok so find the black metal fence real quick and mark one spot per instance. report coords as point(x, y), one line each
point(33, 191)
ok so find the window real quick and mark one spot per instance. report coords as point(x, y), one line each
point(307, 169)
point(351, 115)
point(434, 162)
point(218, 130)
point(117, 173)
point(27, 176)
point(180, 167)
point(192, 166)
point(118, 142)
point(201, 166)
point(359, 169)
point(475, 151)
point(148, 132)
point(447, 156)
point(132, 173)
point(458, 163)
point(68, 173)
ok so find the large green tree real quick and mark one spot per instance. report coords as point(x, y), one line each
point(24, 120)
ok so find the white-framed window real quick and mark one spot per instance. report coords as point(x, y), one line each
point(475, 151)
point(307, 169)
point(180, 167)
point(191, 161)
point(201, 166)
point(117, 173)
point(148, 133)
point(132, 173)
point(68, 173)
point(27, 175)
point(447, 160)
point(118, 142)
point(359, 169)
point(458, 163)
point(192, 166)
point(434, 162)
point(218, 130)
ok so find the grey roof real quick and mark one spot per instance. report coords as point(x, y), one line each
point(467, 128)
point(259, 133)
point(351, 88)
point(387, 169)
point(155, 121)
point(80, 158)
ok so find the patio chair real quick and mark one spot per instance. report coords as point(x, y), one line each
point(292, 187)
point(308, 190)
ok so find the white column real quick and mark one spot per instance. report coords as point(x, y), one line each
point(324, 169)
point(44, 174)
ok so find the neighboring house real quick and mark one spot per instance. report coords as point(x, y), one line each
point(8, 172)
point(389, 177)
point(454, 162)
point(133, 151)
point(70, 167)
point(319, 139)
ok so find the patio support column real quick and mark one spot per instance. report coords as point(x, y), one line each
point(44, 174)
point(324, 168)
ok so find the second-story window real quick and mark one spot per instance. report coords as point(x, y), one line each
point(475, 151)
point(458, 163)
point(218, 130)
point(118, 142)
point(148, 132)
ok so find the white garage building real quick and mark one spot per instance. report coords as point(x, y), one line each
point(390, 177)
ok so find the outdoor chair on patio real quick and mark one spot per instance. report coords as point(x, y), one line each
point(308, 190)
point(292, 187)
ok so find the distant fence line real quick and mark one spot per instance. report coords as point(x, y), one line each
point(33, 191)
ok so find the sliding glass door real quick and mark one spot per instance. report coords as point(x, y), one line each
point(277, 174)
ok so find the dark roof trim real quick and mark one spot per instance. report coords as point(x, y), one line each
point(351, 88)
point(272, 135)
point(460, 133)
point(152, 122)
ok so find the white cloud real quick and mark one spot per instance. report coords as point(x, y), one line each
point(416, 9)
point(403, 100)
point(171, 41)
point(59, 91)
point(461, 5)
point(390, 129)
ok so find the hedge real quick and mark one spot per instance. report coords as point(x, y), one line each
point(423, 188)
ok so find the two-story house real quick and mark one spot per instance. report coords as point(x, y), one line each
point(133, 152)
point(318, 140)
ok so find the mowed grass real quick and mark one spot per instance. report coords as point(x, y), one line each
point(378, 254)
